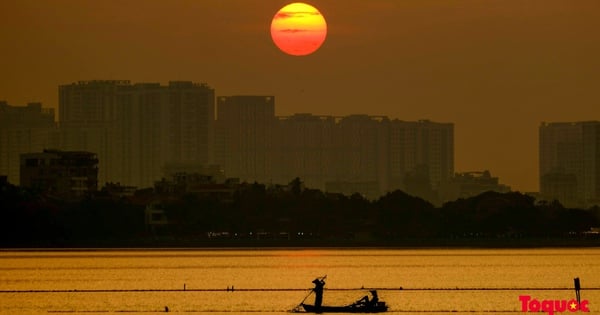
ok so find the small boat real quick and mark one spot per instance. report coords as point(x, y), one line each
point(378, 307)
point(364, 305)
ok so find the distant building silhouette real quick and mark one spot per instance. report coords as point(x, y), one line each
point(421, 156)
point(570, 162)
point(67, 174)
point(88, 118)
point(199, 184)
point(244, 136)
point(143, 132)
point(360, 155)
point(24, 129)
point(561, 187)
point(138, 128)
point(366, 154)
point(304, 146)
point(470, 184)
point(212, 172)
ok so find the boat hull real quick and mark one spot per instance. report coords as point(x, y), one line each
point(354, 308)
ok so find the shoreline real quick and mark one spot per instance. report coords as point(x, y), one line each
point(228, 244)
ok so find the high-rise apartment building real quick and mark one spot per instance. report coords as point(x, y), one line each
point(140, 130)
point(370, 155)
point(141, 137)
point(24, 129)
point(137, 129)
point(569, 154)
point(304, 147)
point(421, 156)
point(87, 120)
point(191, 117)
point(360, 155)
point(244, 136)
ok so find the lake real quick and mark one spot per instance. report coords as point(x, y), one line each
point(274, 281)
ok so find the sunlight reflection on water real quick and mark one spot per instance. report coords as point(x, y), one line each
point(513, 270)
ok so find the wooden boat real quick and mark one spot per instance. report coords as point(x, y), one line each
point(378, 307)
point(364, 305)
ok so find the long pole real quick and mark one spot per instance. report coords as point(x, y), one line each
point(309, 293)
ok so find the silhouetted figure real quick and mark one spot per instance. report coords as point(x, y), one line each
point(365, 299)
point(166, 309)
point(319, 284)
point(374, 299)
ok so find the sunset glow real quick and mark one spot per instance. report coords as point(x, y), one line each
point(298, 29)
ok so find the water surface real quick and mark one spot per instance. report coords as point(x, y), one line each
point(274, 281)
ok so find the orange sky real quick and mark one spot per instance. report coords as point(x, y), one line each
point(494, 68)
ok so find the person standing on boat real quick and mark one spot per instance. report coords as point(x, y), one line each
point(319, 284)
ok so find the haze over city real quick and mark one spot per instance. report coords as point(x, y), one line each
point(495, 69)
point(273, 156)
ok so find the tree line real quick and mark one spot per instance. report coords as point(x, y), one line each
point(31, 218)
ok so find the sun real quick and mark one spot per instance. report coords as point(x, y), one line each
point(298, 29)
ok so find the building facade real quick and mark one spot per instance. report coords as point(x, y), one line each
point(244, 136)
point(421, 156)
point(66, 174)
point(136, 129)
point(360, 155)
point(24, 129)
point(304, 147)
point(363, 154)
point(87, 120)
point(139, 130)
point(569, 161)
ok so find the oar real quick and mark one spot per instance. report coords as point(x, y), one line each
point(297, 308)
point(306, 297)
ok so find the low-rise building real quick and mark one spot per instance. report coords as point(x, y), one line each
point(66, 174)
point(198, 184)
point(470, 184)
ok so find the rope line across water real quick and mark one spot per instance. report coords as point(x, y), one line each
point(234, 289)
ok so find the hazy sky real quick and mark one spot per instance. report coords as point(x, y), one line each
point(496, 69)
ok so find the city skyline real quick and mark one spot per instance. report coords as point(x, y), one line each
point(112, 104)
point(142, 132)
point(496, 69)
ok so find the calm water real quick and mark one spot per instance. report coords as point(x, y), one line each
point(164, 273)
